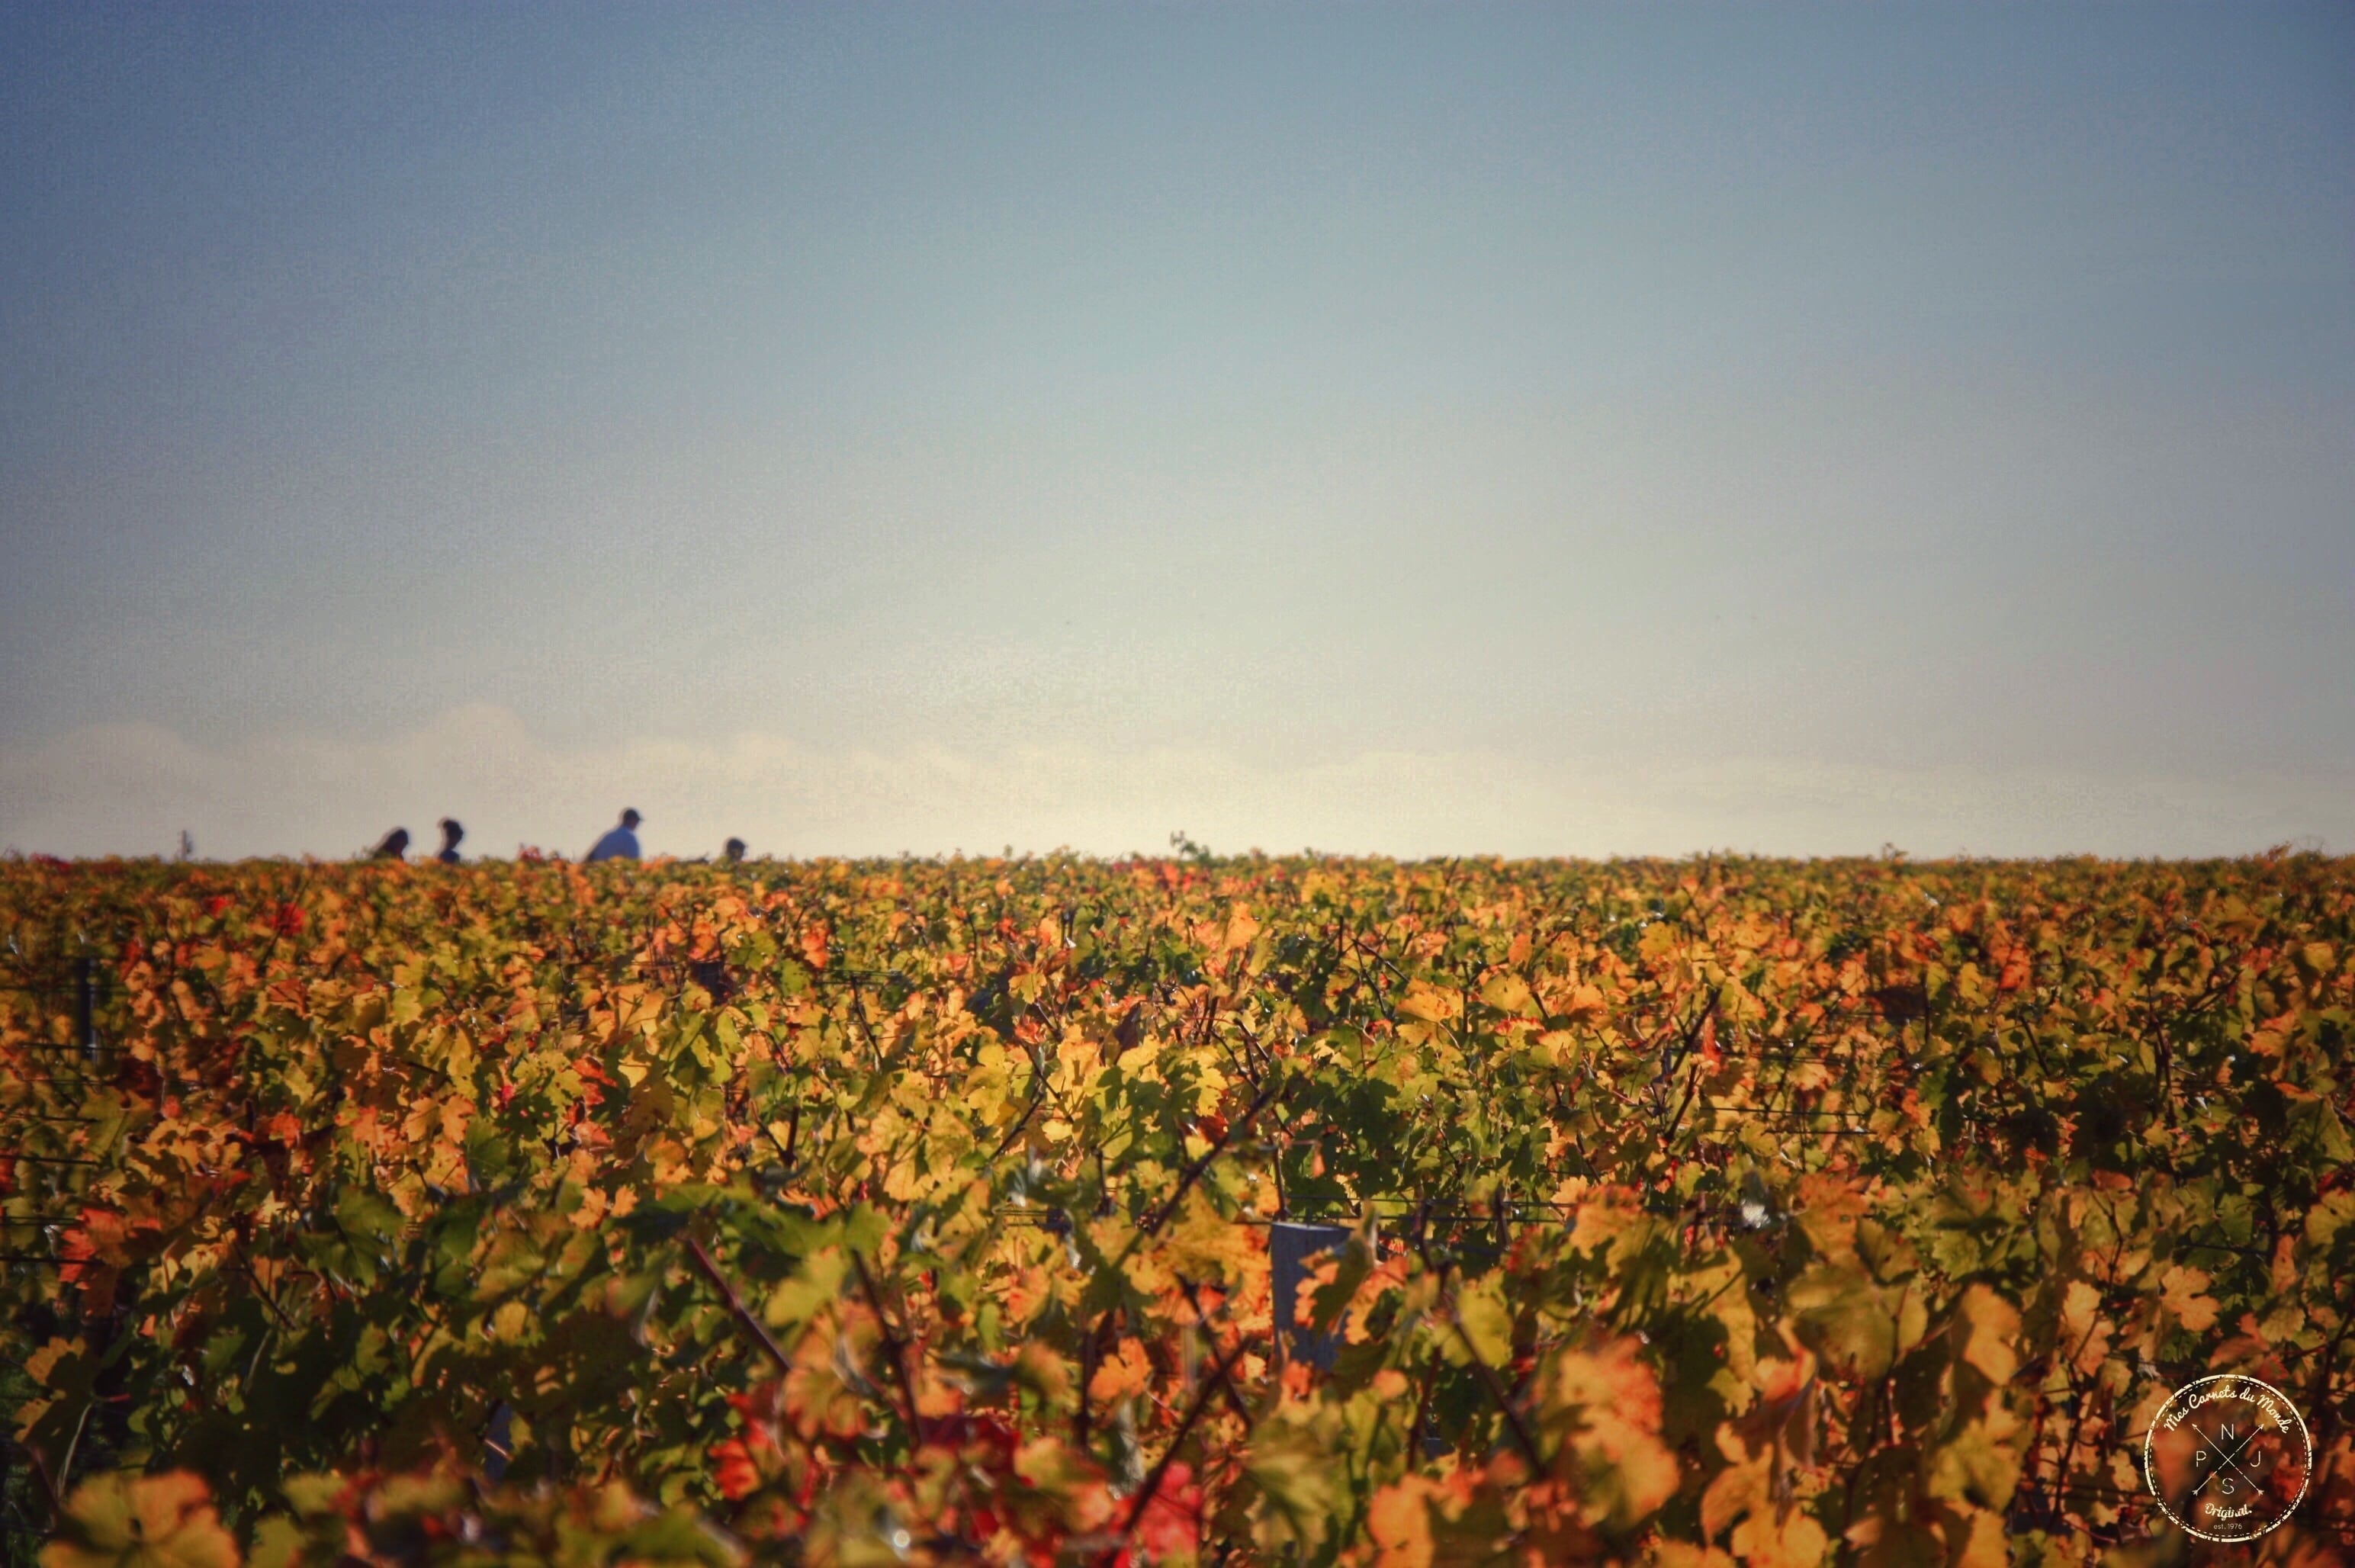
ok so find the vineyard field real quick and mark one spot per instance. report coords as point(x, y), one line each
point(1699, 1212)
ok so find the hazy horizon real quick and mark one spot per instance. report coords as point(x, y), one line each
point(1488, 430)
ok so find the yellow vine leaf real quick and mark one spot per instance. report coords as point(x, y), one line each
point(125, 1520)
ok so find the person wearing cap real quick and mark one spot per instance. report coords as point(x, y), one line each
point(619, 843)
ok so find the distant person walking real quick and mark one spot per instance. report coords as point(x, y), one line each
point(619, 843)
point(451, 833)
point(732, 851)
point(394, 846)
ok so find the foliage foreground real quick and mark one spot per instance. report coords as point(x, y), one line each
point(919, 1212)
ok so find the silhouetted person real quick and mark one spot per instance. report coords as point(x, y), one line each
point(451, 833)
point(619, 843)
point(732, 851)
point(395, 845)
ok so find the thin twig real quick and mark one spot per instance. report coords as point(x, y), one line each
point(1234, 1396)
point(893, 1344)
point(1193, 1172)
point(1487, 1375)
point(48, 1484)
point(1152, 1486)
point(752, 1324)
point(1037, 1098)
point(793, 1137)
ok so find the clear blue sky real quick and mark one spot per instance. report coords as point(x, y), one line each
point(1512, 428)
